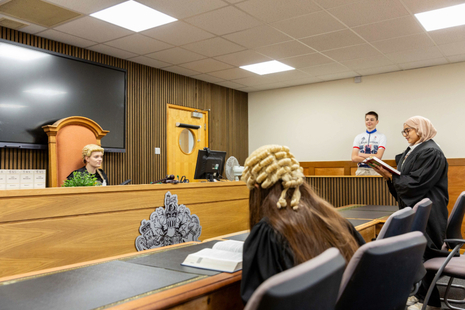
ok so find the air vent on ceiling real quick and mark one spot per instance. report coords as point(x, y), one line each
point(38, 12)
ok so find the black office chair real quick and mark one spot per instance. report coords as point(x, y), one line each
point(310, 285)
point(380, 274)
point(452, 265)
point(422, 210)
point(400, 222)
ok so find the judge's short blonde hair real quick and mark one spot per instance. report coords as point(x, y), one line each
point(89, 149)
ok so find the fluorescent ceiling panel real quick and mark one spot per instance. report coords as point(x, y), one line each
point(267, 67)
point(442, 18)
point(133, 16)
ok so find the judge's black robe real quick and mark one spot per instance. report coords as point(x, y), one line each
point(267, 253)
point(424, 175)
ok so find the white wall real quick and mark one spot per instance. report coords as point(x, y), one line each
point(319, 121)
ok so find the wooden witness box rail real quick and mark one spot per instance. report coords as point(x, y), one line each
point(52, 227)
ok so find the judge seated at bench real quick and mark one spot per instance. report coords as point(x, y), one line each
point(92, 156)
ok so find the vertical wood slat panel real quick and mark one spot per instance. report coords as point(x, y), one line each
point(342, 191)
point(148, 92)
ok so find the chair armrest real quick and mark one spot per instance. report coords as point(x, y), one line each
point(462, 241)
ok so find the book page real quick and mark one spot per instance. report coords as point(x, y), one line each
point(230, 245)
point(218, 255)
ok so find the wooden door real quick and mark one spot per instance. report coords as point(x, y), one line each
point(184, 143)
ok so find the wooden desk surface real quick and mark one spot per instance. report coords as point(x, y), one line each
point(219, 291)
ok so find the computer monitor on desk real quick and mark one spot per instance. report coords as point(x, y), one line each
point(210, 165)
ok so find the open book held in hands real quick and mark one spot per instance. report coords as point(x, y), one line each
point(223, 256)
point(375, 161)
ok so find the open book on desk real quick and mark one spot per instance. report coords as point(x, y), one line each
point(223, 256)
point(375, 161)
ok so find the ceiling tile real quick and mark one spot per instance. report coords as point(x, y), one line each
point(369, 11)
point(389, 29)
point(306, 60)
point(415, 55)
point(288, 75)
point(138, 44)
point(378, 70)
point(93, 29)
point(333, 40)
point(352, 52)
point(181, 71)
point(284, 50)
point(449, 35)
point(230, 84)
point(85, 6)
point(181, 9)
point(303, 81)
point(255, 80)
point(415, 41)
point(108, 50)
point(33, 29)
point(223, 21)
point(423, 63)
point(149, 62)
point(327, 4)
point(258, 36)
point(274, 10)
point(213, 47)
point(456, 58)
point(338, 76)
point(325, 69)
point(419, 6)
point(309, 25)
point(243, 58)
point(65, 38)
point(232, 74)
point(176, 56)
point(177, 33)
point(206, 65)
point(367, 62)
point(207, 78)
point(452, 49)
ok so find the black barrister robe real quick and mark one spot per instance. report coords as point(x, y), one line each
point(424, 175)
point(266, 253)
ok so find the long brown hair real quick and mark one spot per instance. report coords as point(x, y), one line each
point(310, 230)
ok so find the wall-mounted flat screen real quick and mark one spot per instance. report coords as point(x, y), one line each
point(39, 87)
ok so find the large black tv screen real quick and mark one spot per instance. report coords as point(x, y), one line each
point(39, 87)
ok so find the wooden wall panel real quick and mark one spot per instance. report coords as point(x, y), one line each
point(329, 171)
point(148, 92)
point(346, 190)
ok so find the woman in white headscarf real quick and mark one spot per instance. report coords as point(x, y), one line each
point(423, 168)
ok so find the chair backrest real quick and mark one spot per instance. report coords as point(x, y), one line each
point(400, 222)
point(310, 285)
point(66, 138)
point(422, 210)
point(454, 222)
point(380, 274)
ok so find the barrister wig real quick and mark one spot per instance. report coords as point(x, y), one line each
point(270, 164)
point(89, 149)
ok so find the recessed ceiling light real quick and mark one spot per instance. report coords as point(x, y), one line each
point(442, 18)
point(267, 67)
point(20, 53)
point(133, 16)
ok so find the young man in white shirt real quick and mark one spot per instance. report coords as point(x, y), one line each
point(370, 143)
